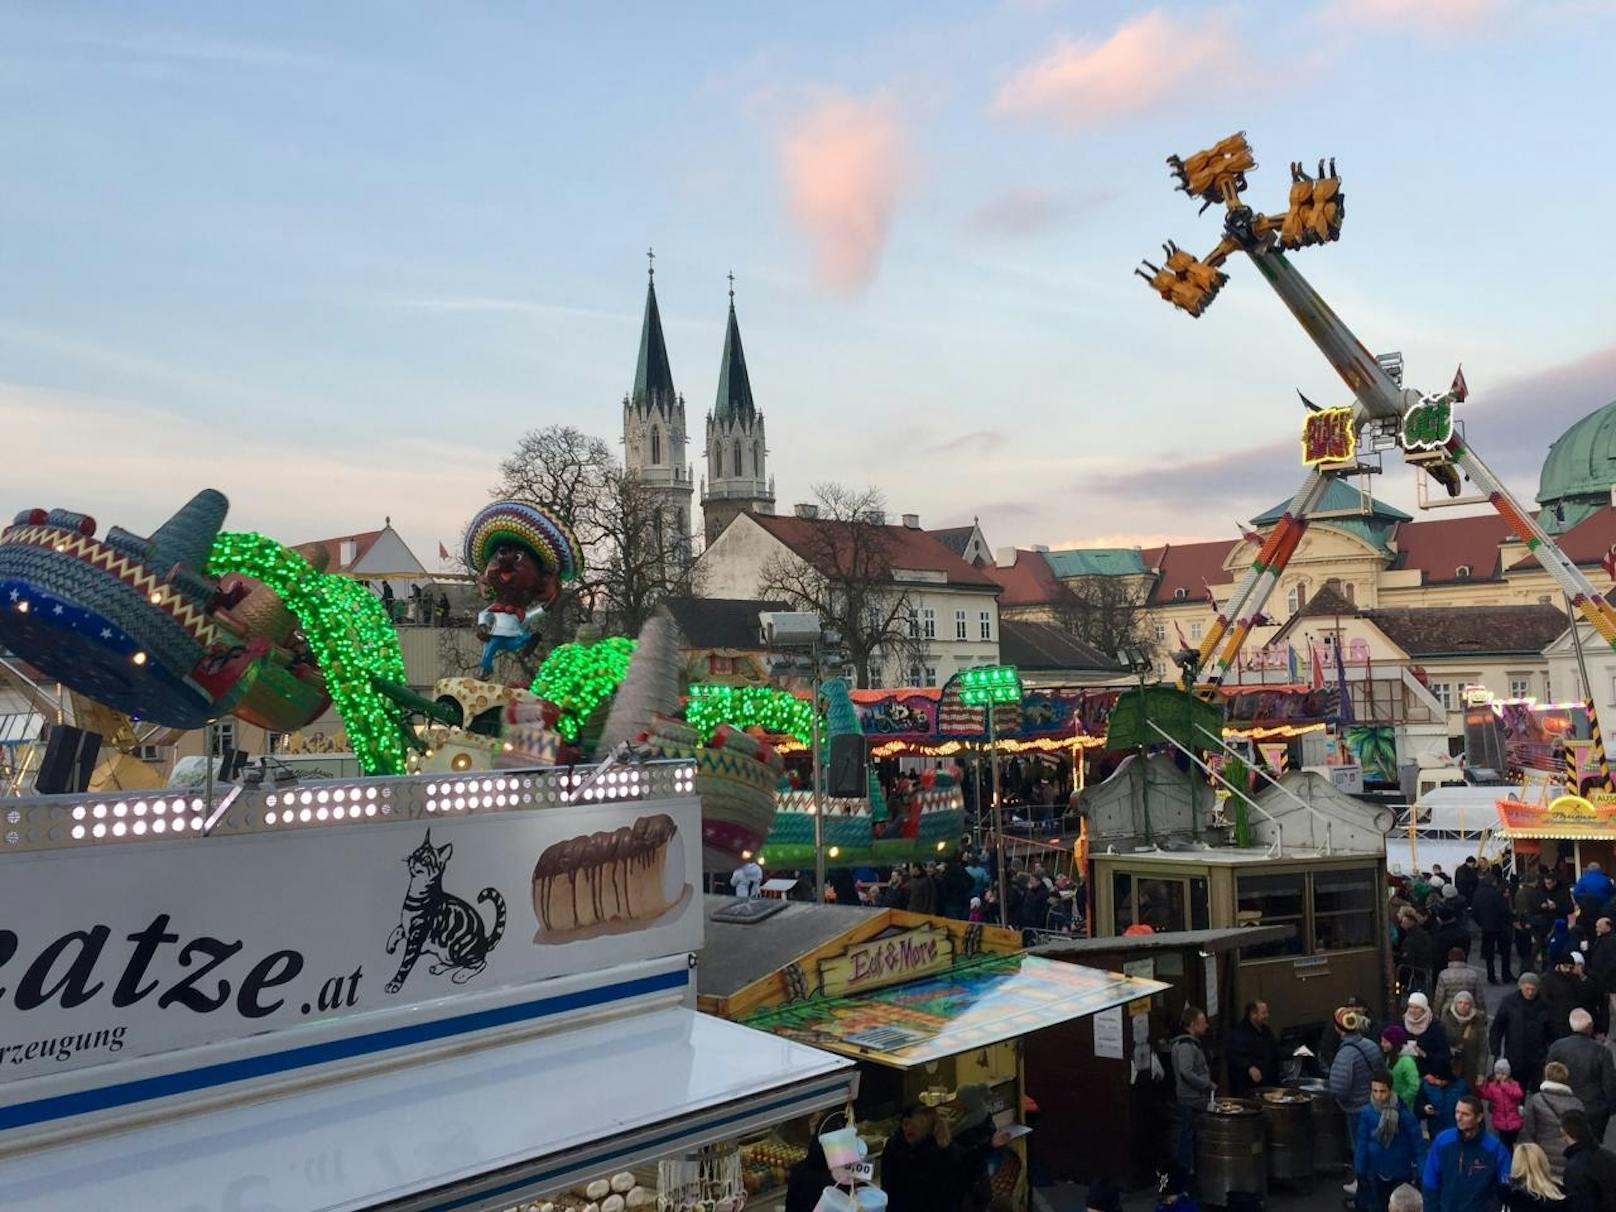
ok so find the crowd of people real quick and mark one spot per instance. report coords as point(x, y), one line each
point(963, 886)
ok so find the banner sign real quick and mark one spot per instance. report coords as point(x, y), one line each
point(886, 961)
point(109, 952)
point(931, 715)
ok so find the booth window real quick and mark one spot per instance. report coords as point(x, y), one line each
point(1274, 900)
point(1200, 911)
point(1122, 900)
point(1343, 909)
point(1154, 901)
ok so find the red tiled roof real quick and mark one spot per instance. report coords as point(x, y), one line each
point(1439, 547)
point(333, 549)
point(1585, 543)
point(907, 548)
point(1187, 566)
point(1028, 582)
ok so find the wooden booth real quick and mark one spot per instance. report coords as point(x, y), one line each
point(1104, 1060)
point(1334, 904)
point(927, 1005)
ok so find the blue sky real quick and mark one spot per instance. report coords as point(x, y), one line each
point(333, 259)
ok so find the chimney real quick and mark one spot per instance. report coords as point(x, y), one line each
point(1005, 557)
point(805, 510)
point(911, 521)
point(1041, 548)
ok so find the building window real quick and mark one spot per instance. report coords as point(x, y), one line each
point(757, 460)
point(960, 632)
point(1180, 594)
point(1295, 598)
point(224, 737)
point(1443, 692)
point(914, 677)
point(914, 623)
point(1195, 629)
point(1352, 594)
point(987, 625)
point(1520, 686)
point(737, 453)
point(656, 446)
point(931, 675)
point(1158, 632)
point(928, 618)
point(875, 677)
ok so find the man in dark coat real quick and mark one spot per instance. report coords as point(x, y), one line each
point(1520, 1031)
point(1491, 911)
point(1467, 878)
point(1590, 1171)
point(1564, 993)
point(1602, 970)
point(917, 1174)
point(1252, 1052)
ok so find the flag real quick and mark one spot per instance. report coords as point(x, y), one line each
point(1249, 535)
point(1459, 390)
point(1315, 679)
point(1182, 642)
point(1609, 563)
point(1291, 667)
point(443, 552)
point(1345, 713)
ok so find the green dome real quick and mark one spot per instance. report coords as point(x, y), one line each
point(1580, 469)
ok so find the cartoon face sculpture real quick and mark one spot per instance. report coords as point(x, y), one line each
point(515, 576)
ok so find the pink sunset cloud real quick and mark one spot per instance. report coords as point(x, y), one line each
point(1151, 60)
point(845, 164)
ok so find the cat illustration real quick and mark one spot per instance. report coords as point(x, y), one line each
point(434, 921)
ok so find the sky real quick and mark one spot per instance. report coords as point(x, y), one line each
point(334, 259)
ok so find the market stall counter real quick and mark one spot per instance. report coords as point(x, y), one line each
point(406, 993)
point(935, 1010)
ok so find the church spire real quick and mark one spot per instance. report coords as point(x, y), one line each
point(653, 377)
point(734, 402)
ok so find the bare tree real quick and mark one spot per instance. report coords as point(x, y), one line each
point(1108, 612)
point(842, 570)
point(632, 557)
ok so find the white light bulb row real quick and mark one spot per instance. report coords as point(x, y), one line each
point(309, 816)
point(139, 827)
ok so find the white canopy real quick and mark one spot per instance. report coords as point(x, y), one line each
point(482, 1130)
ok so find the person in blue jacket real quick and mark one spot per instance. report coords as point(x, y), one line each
point(1465, 1166)
point(1390, 1148)
point(1438, 1101)
point(1593, 891)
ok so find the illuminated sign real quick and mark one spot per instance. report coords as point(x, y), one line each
point(1428, 425)
point(1328, 437)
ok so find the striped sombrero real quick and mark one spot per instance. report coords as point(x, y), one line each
point(531, 527)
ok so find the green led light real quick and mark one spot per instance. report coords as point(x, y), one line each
point(984, 684)
point(348, 632)
point(578, 678)
point(777, 712)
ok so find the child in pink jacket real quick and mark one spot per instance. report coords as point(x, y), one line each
point(1503, 1095)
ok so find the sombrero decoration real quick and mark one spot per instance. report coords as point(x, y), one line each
point(517, 522)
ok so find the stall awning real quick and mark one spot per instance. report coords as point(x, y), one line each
point(975, 1004)
point(1570, 817)
point(480, 1131)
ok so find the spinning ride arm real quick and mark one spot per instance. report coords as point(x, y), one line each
point(1315, 210)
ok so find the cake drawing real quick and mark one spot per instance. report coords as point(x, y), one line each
point(605, 883)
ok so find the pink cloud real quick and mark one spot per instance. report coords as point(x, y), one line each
point(845, 164)
point(1153, 59)
point(1428, 16)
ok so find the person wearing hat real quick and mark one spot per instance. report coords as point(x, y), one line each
point(1398, 1054)
point(1430, 1037)
point(522, 555)
point(1356, 1061)
point(1564, 991)
point(1504, 1097)
point(1465, 1023)
point(1520, 1031)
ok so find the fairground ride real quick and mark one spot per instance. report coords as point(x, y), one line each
point(1383, 415)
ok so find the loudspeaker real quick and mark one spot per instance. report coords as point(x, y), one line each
point(69, 761)
point(844, 771)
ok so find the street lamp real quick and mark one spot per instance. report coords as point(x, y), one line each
point(802, 629)
point(988, 686)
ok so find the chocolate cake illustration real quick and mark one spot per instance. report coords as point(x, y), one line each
point(608, 882)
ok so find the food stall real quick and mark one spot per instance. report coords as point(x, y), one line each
point(467, 992)
point(1094, 1061)
point(927, 1005)
point(1332, 901)
point(1573, 828)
